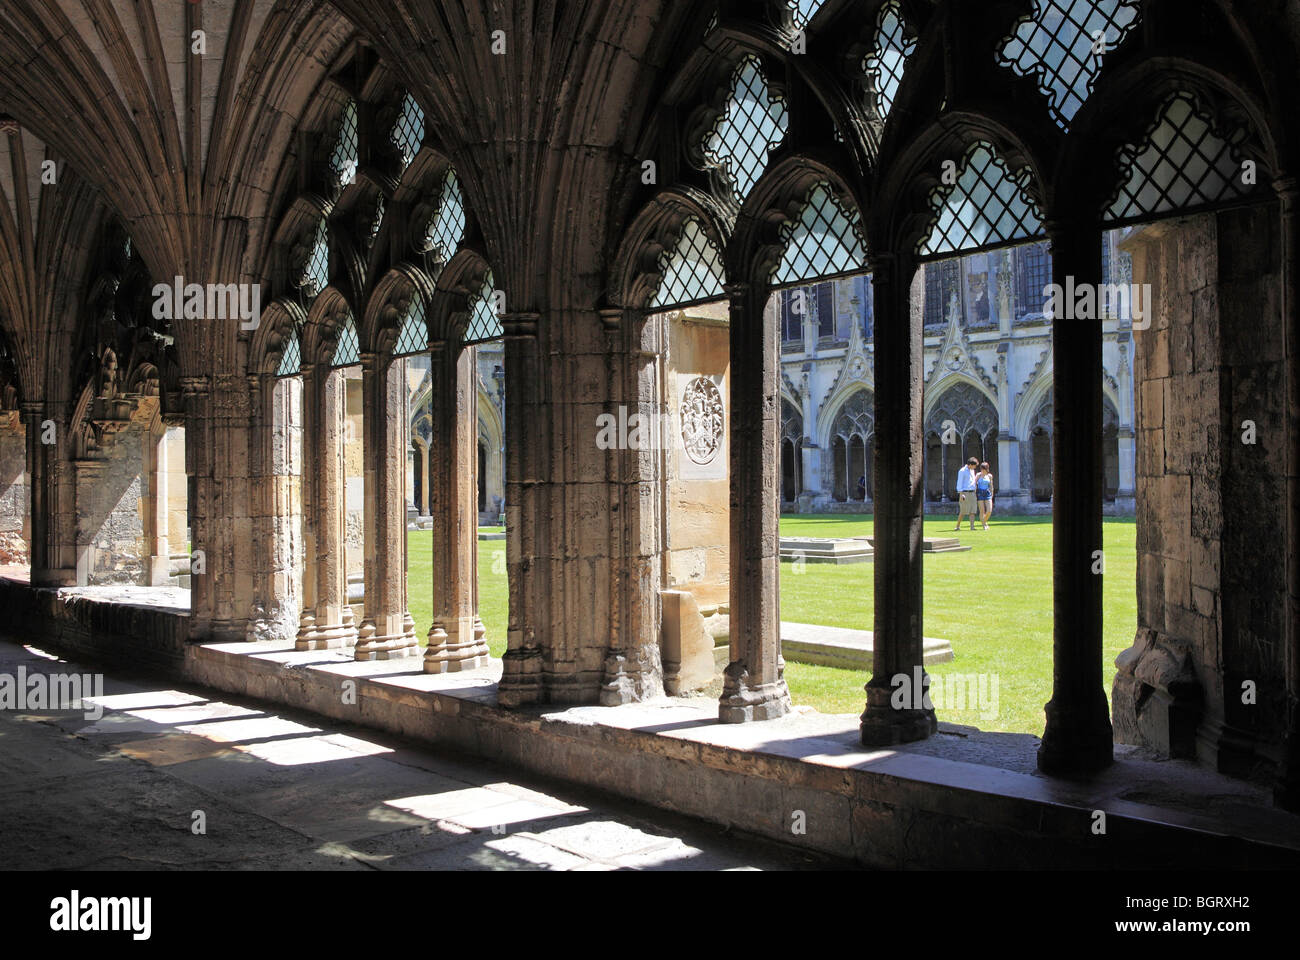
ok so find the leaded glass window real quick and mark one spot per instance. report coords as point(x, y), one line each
point(343, 155)
point(752, 124)
point(987, 205)
point(942, 280)
point(1182, 163)
point(885, 65)
point(692, 270)
point(802, 11)
point(1062, 46)
point(792, 313)
point(857, 417)
point(446, 228)
point(291, 356)
point(969, 409)
point(347, 350)
point(315, 276)
point(825, 240)
point(824, 297)
point(1035, 276)
point(484, 323)
point(408, 131)
point(413, 337)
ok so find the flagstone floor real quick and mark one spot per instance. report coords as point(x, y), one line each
point(146, 776)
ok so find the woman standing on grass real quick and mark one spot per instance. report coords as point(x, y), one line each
point(984, 493)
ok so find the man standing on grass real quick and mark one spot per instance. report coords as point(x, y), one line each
point(966, 492)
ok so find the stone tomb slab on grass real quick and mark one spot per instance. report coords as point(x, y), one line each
point(838, 647)
point(853, 549)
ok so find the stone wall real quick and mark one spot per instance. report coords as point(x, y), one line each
point(698, 493)
point(1210, 401)
point(110, 530)
point(13, 490)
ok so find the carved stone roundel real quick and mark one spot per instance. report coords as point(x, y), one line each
point(703, 417)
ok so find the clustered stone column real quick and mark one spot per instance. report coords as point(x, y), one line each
point(456, 639)
point(1078, 736)
point(327, 621)
point(633, 667)
point(53, 494)
point(754, 685)
point(898, 709)
point(154, 513)
point(387, 631)
point(521, 676)
point(276, 602)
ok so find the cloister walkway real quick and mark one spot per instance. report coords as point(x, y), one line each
point(275, 791)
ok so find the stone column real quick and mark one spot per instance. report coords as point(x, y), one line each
point(198, 454)
point(754, 685)
point(1286, 789)
point(521, 676)
point(158, 562)
point(1127, 431)
point(387, 632)
point(425, 493)
point(275, 607)
point(52, 500)
point(327, 621)
point(898, 709)
point(1078, 736)
point(456, 639)
point(633, 668)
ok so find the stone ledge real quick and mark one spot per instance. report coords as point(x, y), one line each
point(925, 805)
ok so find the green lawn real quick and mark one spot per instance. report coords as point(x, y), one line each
point(993, 603)
point(493, 595)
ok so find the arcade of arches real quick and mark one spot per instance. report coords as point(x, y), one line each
point(282, 279)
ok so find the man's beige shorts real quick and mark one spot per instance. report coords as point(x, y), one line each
point(967, 504)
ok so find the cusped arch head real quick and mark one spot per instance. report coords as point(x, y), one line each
point(935, 399)
point(901, 221)
point(459, 283)
point(1123, 113)
point(1031, 401)
point(649, 242)
point(772, 211)
point(393, 297)
point(837, 404)
point(281, 321)
point(320, 332)
point(143, 380)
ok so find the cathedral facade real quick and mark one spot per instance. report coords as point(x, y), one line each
point(987, 391)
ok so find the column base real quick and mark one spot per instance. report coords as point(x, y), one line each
point(882, 724)
point(372, 645)
point(443, 655)
point(521, 677)
point(314, 635)
point(1074, 744)
point(742, 702)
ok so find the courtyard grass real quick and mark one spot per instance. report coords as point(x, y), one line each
point(993, 603)
point(493, 591)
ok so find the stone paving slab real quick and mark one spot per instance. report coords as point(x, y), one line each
point(288, 792)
